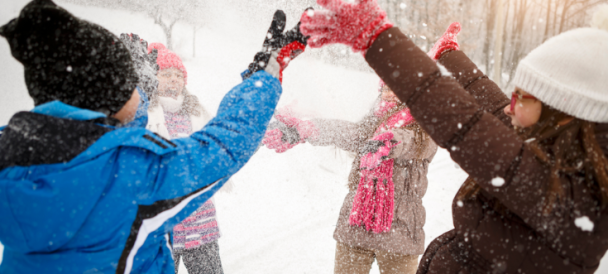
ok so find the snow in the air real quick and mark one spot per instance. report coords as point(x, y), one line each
point(281, 214)
point(498, 182)
point(584, 223)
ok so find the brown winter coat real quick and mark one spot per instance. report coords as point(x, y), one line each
point(409, 177)
point(465, 116)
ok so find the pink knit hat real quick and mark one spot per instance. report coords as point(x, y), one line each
point(168, 59)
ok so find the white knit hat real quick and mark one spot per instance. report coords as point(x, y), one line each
point(570, 73)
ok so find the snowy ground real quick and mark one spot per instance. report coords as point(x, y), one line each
point(282, 212)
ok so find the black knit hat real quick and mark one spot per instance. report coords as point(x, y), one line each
point(71, 60)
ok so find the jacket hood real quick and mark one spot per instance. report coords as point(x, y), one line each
point(40, 193)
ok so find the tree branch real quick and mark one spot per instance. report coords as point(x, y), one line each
point(585, 7)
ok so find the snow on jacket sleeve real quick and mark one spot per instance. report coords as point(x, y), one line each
point(487, 93)
point(204, 161)
point(489, 151)
point(345, 135)
point(408, 148)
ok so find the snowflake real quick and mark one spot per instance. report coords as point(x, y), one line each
point(498, 182)
point(584, 223)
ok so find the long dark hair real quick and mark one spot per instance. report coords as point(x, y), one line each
point(568, 149)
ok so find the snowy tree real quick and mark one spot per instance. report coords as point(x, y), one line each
point(164, 13)
point(527, 23)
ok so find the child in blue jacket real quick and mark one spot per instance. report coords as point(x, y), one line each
point(79, 193)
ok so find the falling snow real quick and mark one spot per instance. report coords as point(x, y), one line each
point(584, 223)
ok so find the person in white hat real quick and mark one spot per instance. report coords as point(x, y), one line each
point(536, 200)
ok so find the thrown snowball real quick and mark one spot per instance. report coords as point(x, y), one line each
point(459, 204)
point(584, 223)
point(310, 13)
point(498, 182)
point(258, 84)
point(69, 69)
point(403, 6)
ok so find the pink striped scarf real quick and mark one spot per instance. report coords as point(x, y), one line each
point(374, 201)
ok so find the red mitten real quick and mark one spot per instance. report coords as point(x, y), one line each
point(306, 129)
point(447, 42)
point(356, 25)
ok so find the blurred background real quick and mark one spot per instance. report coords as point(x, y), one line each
point(282, 212)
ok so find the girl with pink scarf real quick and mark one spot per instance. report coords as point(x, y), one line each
point(382, 215)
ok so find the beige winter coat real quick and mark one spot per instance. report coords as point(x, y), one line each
point(412, 159)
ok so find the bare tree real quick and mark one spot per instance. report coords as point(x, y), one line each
point(164, 13)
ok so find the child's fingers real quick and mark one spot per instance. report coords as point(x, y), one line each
point(454, 28)
point(272, 137)
point(333, 5)
point(287, 120)
point(320, 17)
point(318, 41)
point(316, 31)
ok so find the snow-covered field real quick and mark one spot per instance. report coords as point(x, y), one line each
point(281, 214)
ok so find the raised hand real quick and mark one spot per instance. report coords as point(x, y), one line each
point(278, 49)
point(356, 25)
point(306, 129)
point(145, 63)
point(288, 132)
point(279, 140)
point(447, 42)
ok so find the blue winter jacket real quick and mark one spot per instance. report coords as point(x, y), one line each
point(77, 196)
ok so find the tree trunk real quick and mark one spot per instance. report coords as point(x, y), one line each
point(498, 45)
point(490, 19)
point(504, 34)
point(520, 21)
point(567, 6)
point(547, 23)
point(194, 42)
point(169, 34)
point(166, 29)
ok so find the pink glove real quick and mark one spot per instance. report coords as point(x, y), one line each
point(377, 150)
point(447, 42)
point(306, 129)
point(274, 140)
point(356, 25)
point(292, 132)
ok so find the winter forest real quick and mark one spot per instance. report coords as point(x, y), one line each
point(279, 212)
